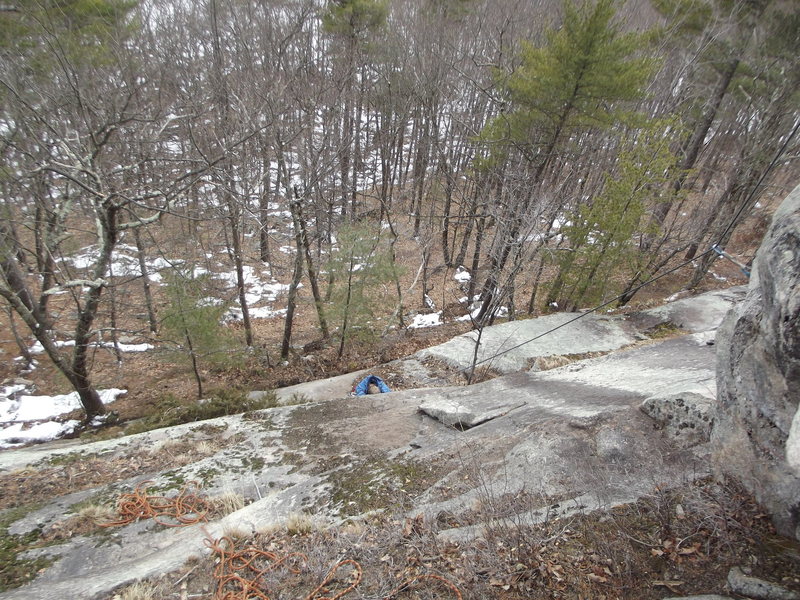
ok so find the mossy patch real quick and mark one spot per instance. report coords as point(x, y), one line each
point(15, 571)
point(664, 330)
point(62, 460)
point(377, 484)
point(224, 402)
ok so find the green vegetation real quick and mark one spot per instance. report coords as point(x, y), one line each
point(223, 402)
point(207, 475)
point(66, 459)
point(194, 323)
point(360, 270)
point(354, 18)
point(580, 79)
point(375, 485)
point(84, 29)
point(297, 398)
point(15, 571)
point(605, 230)
point(664, 330)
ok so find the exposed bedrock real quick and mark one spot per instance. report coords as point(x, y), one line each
point(756, 433)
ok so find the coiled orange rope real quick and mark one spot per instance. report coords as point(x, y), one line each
point(186, 508)
point(240, 574)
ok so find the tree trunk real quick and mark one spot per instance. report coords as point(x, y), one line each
point(291, 303)
point(448, 201)
point(21, 345)
point(263, 213)
point(304, 246)
point(112, 293)
point(148, 296)
point(693, 146)
point(346, 316)
point(233, 218)
point(195, 369)
point(476, 258)
point(78, 373)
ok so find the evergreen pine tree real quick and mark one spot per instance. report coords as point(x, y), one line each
point(360, 266)
point(604, 231)
point(582, 78)
point(193, 322)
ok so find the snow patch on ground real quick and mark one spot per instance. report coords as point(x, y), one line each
point(261, 312)
point(462, 275)
point(500, 312)
point(15, 435)
point(124, 262)
point(37, 348)
point(422, 321)
point(256, 292)
point(26, 418)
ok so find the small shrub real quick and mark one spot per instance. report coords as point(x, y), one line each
point(297, 398)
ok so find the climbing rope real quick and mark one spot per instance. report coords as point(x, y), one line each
point(240, 574)
point(186, 508)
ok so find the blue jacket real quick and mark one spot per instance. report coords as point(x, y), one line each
point(362, 389)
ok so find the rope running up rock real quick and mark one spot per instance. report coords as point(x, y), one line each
point(232, 584)
point(187, 508)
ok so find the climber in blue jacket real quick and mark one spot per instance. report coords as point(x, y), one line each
point(362, 389)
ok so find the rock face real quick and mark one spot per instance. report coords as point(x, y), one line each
point(758, 375)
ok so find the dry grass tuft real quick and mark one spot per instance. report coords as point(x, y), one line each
point(141, 590)
point(206, 448)
point(545, 363)
point(96, 514)
point(299, 524)
point(235, 532)
point(226, 503)
point(87, 520)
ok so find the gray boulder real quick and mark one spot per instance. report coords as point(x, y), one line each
point(758, 375)
point(684, 416)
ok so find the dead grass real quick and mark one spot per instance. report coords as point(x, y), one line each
point(680, 541)
point(226, 503)
point(138, 591)
point(77, 471)
point(299, 524)
point(88, 520)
